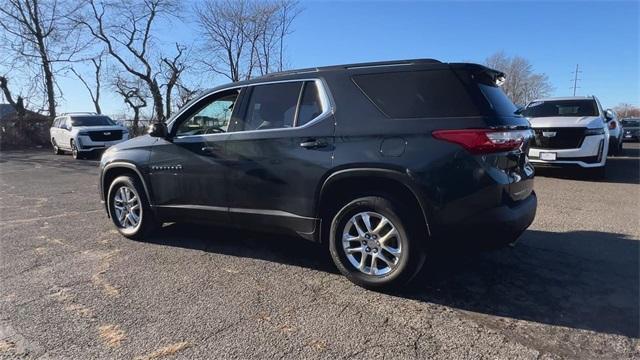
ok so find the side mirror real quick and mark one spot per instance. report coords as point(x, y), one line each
point(519, 110)
point(158, 130)
point(608, 115)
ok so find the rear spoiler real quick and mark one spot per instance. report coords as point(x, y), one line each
point(482, 73)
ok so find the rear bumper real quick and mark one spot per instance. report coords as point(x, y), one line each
point(506, 219)
point(494, 227)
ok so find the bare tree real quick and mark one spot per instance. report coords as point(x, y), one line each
point(126, 30)
point(134, 96)
point(39, 34)
point(185, 95)
point(522, 84)
point(94, 92)
point(625, 110)
point(244, 36)
point(17, 104)
point(173, 68)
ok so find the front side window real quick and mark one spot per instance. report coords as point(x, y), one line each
point(212, 118)
point(272, 106)
point(561, 108)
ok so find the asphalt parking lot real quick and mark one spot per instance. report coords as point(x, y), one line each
point(71, 287)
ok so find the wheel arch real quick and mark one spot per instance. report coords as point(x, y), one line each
point(342, 185)
point(112, 171)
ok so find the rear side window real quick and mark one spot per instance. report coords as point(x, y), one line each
point(272, 106)
point(310, 105)
point(418, 94)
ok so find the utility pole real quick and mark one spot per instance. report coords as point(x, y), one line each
point(575, 79)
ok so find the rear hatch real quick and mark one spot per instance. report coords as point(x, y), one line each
point(464, 106)
point(484, 85)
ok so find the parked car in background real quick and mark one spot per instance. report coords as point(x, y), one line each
point(569, 131)
point(85, 133)
point(631, 129)
point(615, 132)
point(380, 161)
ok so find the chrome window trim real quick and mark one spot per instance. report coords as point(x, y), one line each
point(325, 102)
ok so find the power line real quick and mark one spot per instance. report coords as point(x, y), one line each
point(575, 79)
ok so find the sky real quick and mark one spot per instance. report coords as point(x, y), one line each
point(602, 37)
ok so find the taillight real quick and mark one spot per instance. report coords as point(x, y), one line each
point(482, 141)
point(612, 125)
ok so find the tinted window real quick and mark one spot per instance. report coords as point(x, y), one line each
point(272, 106)
point(498, 100)
point(310, 105)
point(91, 121)
point(561, 108)
point(631, 122)
point(414, 94)
point(213, 117)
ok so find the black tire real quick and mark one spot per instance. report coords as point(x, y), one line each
point(619, 150)
point(56, 148)
point(411, 241)
point(147, 221)
point(74, 151)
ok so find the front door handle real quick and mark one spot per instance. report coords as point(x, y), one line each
point(313, 144)
point(210, 149)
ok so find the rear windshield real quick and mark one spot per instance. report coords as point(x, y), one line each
point(418, 94)
point(631, 122)
point(498, 100)
point(91, 121)
point(570, 108)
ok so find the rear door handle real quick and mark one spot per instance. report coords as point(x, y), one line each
point(313, 144)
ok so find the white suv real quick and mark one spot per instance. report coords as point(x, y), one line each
point(569, 131)
point(84, 133)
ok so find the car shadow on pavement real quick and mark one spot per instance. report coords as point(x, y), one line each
point(583, 279)
point(622, 169)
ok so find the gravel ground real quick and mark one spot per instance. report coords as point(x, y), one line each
point(71, 287)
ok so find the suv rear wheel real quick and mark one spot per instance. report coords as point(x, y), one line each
point(375, 243)
point(129, 209)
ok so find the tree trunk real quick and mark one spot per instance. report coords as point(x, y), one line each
point(46, 64)
point(157, 100)
point(48, 78)
point(168, 99)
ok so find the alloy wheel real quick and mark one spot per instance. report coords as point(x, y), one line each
point(372, 243)
point(127, 208)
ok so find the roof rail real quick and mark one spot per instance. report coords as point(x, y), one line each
point(353, 66)
point(390, 63)
point(79, 113)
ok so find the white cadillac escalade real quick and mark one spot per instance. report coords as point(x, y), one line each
point(569, 131)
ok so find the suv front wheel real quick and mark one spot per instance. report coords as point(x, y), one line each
point(74, 151)
point(56, 148)
point(376, 243)
point(129, 209)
